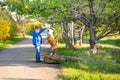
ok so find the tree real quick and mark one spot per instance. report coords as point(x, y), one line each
point(92, 18)
point(93, 14)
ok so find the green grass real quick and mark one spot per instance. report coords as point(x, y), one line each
point(78, 74)
point(110, 42)
point(62, 50)
point(7, 43)
point(102, 66)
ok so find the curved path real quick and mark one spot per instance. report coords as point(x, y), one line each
point(18, 63)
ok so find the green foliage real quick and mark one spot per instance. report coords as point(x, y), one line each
point(106, 13)
point(62, 10)
point(112, 7)
point(68, 10)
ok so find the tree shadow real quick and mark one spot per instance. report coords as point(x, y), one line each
point(115, 42)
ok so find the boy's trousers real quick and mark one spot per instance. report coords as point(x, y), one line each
point(38, 51)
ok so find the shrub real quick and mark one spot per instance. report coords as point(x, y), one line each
point(8, 27)
point(4, 29)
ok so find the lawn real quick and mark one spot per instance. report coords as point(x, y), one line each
point(7, 43)
point(105, 65)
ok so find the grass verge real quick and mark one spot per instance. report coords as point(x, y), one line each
point(7, 43)
point(102, 66)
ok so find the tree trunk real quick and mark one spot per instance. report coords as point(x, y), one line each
point(23, 29)
point(92, 40)
point(81, 34)
point(72, 31)
point(92, 21)
point(67, 37)
point(74, 36)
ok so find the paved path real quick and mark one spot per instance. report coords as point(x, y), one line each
point(18, 63)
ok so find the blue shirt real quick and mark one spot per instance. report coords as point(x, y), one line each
point(37, 38)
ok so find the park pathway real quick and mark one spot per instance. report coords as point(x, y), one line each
point(18, 63)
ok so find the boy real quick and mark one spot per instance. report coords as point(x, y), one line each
point(37, 41)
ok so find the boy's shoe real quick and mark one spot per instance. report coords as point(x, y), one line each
point(38, 61)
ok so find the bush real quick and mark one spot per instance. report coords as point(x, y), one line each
point(4, 29)
point(8, 27)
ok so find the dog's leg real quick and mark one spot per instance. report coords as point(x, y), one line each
point(51, 54)
point(54, 52)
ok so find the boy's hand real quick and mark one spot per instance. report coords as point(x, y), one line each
point(47, 26)
point(45, 41)
point(37, 47)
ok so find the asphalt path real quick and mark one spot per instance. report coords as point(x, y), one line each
point(18, 63)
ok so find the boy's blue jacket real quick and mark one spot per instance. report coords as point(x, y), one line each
point(37, 38)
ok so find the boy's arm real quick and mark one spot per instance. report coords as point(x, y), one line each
point(33, 40)
point(42, 30)
point(32, 33)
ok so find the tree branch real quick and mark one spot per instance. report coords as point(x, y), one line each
point(117, 15)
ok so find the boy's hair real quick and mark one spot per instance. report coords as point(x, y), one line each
point(37, 27)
